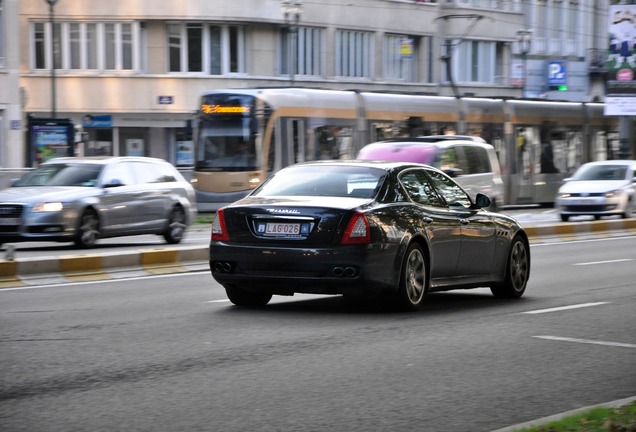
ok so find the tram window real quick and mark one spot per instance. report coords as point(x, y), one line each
point(333, 142)
point(326, 147)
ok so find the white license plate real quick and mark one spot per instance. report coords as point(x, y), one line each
point(584, 201)
point(274, 228)
point(9, 221)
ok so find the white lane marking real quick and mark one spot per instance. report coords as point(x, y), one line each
point(594, 240)
point(586, 341)
point(103, 281)
point(217, 301)
point(604, 262)
point(562, 308)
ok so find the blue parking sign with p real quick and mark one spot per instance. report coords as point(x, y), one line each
point(557, 73)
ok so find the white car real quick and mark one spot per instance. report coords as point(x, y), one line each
point(83, 199)
point(603, 188)
point(469, 160)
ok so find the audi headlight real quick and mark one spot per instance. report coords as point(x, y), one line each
point(48, 207)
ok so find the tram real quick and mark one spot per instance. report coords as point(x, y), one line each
point(243, 136)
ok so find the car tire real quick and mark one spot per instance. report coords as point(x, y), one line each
point(413, 283)
point(176, 226)
point(242, 297)
point(517, 271)
point(87, 230)
point(628, 210)
point(565, 218)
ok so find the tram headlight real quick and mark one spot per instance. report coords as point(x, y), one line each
point(254, 181)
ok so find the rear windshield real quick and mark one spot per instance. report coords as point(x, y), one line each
point(324, 180)
point(63, 175)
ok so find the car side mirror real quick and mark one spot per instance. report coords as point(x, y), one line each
point(113, 183)
point(483, 201)
point(15, 182)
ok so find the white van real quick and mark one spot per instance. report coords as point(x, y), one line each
point(469, 160)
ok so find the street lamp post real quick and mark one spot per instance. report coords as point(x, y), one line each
point(52, 21)
point(524, 38)
point(292, 11)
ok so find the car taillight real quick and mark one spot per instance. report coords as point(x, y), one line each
point(357, 231)
point(219, 231)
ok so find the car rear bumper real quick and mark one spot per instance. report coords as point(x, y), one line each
point(349, 270)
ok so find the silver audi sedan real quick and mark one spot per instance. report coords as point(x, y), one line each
point(83, 199)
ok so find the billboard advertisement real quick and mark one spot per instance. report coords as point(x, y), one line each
point(50, 138)
point(621, 62)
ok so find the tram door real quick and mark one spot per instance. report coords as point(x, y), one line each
point(544, 157)
point(522, 173)
point(293, 142)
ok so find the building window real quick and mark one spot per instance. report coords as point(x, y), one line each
point(87, 46)
point(2, 47)
point(573, 19)
point(543, 15)
point(194, 37)
point(354, 54)
point(475, 62)
point(307, 55)
point(400, 58)
point(39, 46)
point(203, 48)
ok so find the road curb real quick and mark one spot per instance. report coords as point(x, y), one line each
point(583, 227)
point(92, 267)
point(545, 420)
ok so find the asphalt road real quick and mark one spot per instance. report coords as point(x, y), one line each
point(172, 354)
point(200, 235)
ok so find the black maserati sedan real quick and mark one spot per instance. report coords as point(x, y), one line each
point(365, 229)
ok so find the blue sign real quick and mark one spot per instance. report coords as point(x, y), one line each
point(97, 121)
point(165, 100)
point(557, 73)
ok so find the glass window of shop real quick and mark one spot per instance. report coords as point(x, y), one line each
point(99, 142)
point(133, 142)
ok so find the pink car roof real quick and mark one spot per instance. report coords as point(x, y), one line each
point(404, 152)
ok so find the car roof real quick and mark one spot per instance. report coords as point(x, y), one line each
point(430, 142)
point(612, 162)
point(386, 165)
point(101, 160)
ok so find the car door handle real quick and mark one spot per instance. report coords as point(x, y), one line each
point(463, 221)
point(427, 219)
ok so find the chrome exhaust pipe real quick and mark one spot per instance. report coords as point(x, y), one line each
point(227, 267)
point(218, 266)
point(350, 272)
point(338, 271)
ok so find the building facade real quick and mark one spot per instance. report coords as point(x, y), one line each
point(129, 74)
point(11, 101)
